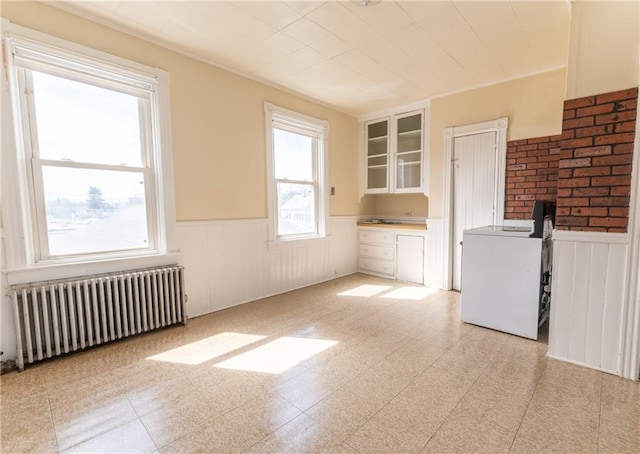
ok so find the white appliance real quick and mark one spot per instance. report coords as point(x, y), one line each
point(501, 279)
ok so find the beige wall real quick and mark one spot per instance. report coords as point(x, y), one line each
point(532, 104)
point(604, 47)
point(394, 205)
point(217, 123)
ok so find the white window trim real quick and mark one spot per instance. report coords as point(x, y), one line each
point(322, 195)
point(21, 265)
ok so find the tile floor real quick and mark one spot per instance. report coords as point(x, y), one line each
point(355, 365)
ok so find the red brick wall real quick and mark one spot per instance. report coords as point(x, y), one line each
point(594, 176)
point(532, 174)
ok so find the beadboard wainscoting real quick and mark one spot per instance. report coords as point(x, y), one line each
point(7, 328)
point(589, 270)
point(231, 262)
point(434, 254)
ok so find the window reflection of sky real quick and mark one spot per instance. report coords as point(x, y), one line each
point(84, 123)
point(293, 156)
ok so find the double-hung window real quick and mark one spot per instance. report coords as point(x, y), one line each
point(296, 146)
point(89, 153)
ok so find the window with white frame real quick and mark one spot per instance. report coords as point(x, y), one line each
point(296, 147)
point(89, 153)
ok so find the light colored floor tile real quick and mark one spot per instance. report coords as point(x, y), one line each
point(302, 434)
point(472, 353)
point(239, 429)
point(313, 385)
point(409, 420)
point(26, 426)
point(405, 375)
point(343, 413)
point(488, 416)
point(171, 423)
point(79, 421)
point(470, 434)
point(351, 406)
point(564, 411)
point(16, 385)
point(619, 416)
point(128, 438)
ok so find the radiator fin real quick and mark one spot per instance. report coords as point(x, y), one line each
point(54, 318)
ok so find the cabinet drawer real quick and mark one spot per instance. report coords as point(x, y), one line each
point(372, 236)
point(376, 266)
point(378, 252)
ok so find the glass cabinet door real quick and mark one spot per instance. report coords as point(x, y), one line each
point(377, 159)
point(408, 157)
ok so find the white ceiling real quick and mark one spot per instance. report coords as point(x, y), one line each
point(356, 58)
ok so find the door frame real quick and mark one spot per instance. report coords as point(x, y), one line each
point(499, 126)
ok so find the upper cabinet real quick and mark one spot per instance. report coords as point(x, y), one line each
point(408, 152)
point(394, 154)
point(377, 156)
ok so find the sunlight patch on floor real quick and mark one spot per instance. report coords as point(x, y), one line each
point(206, 349)
point(410, 293)
point(366, 290)
point(277, 356)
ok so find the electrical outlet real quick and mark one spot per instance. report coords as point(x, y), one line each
point(408, 213)
point(333, 190)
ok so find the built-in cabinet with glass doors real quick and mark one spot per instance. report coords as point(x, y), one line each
point(394, 153)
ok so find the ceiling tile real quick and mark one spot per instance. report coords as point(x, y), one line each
point(474, 58)
point(265, 52)
point(411, 39)
point(307, 56)
point(305, 6)
point(282, 69)
point(383, 17)
point(354, 57)
point(224, 27)
point(387, 54)
point(495, 24)
point(274, 13)
point(99, 7)
point(316, 37)
point(340, 21)
point(447, 26)
point(336, 73)
point(362, 64)
point(415, 41)
point(422, 78)
point(547, 30)
point(420, 11)
point(142, 16)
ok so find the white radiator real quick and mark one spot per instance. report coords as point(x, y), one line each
point(54, 318)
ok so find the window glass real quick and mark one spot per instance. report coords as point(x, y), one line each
point(94, 210)
point(84, 123)
point(296, 209)
point(293, 155)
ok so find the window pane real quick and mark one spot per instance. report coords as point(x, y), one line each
point(94, 210)
point(296, 209)
point(293, 155)
point(85, 123)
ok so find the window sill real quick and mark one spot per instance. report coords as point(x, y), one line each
point(57, 271)
point(296, 242)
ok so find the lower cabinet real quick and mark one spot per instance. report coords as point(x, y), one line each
point(377, 251)
point(410, 258)
point(395, 254)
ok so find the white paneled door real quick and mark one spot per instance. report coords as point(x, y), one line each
point(474, 189)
